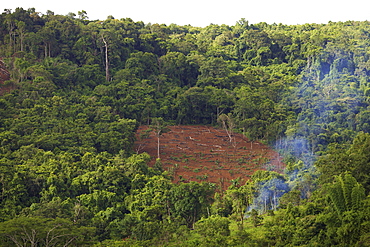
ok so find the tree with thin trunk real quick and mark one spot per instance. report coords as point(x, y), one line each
point(228, 124)
point(10, 21)
point(159, 127)
point(107, 75)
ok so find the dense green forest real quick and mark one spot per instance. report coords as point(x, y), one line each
point(79, 89)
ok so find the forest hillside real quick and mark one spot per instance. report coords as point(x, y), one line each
point(79, 97)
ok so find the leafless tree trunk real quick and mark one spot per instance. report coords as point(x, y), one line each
point(107, 76)
point(158, 134)
point(159, 129)
point(229, 125)
point(46, 50)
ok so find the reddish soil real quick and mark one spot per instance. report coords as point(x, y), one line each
point(203, 153)
point(4, 74)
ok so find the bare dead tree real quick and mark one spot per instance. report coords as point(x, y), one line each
point(159, 127)
point(228, 124)
point(107, 75)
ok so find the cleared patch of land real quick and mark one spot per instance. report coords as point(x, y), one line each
point(204, 153)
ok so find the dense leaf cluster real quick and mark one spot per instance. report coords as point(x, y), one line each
point(79, 89)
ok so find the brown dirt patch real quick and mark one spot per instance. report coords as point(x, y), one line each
point(4, 73)
point(203, 153)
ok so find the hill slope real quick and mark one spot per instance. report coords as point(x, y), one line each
point(203, 153)
point(4, 76)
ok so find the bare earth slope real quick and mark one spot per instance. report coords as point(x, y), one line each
point(203, 153)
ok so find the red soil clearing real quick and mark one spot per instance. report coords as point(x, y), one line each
point(203, 153)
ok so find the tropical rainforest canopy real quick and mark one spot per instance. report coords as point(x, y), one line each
point(77, 91)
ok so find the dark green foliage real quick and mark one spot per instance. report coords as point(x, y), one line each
point(214, 230)
point(191, 201)
point(346, 194)
point(354, 159)
point(78, 90)
point(38, 231)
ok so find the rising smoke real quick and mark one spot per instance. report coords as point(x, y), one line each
point(326, 103)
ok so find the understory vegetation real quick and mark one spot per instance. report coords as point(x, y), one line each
point(78, 90)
